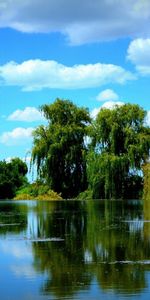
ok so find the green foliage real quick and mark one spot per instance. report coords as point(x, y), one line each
point(146, 170)
point(37, 191)
point(12, 176)
point(106, 175)
point(86, 195)
point(109, 167)
point(59, 149)
point(120, 144)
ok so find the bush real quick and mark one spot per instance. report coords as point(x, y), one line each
point(36, 191)
point(86, 195)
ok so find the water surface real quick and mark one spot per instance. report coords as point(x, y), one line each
point(74, 250)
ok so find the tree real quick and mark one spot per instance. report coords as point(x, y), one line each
point(120, 143)
point(12, 176)
point(146, 171)
point(59, 147)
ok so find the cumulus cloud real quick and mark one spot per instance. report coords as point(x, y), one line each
point(38, 74)
point(80, 21)
point(29, 114)
point(107, 94)
point(17, 136)
point(108, 105)
point(139, 54)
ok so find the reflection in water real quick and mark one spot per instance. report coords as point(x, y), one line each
point(80, 249)
point(146, 228)
point(63, 262)
point(13, 218)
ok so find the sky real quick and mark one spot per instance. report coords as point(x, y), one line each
point(95, 53)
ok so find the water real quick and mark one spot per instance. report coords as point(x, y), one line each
point(74, 250)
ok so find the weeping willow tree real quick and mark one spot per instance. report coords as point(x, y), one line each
point(146, 170)
point(59, 148)
point(120, 143)
point(105, 175)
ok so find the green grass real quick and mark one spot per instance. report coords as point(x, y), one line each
point(36, 191)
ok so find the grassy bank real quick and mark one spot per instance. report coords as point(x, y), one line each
point(37, 191)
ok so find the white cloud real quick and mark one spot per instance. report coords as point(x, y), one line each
point(80, 21)
point(148, 118)
point(29, 114)
point(17, 136)
point(139, 54)
point(9, 158)
point(38, 74)
point(95, 112)
point(108, 105)
point(107, 94)
point(112, 104)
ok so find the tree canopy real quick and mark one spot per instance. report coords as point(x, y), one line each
point(77, 156)
point(120, 143)
point(59, 147)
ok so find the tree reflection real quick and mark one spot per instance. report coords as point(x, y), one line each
point(93, 239)
point(13, 217)
point(147, 219)
point(63, 261)
point(117, 245)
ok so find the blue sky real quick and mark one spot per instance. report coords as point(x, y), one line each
point(95, 53)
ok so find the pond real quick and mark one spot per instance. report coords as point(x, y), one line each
point(74, 250)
